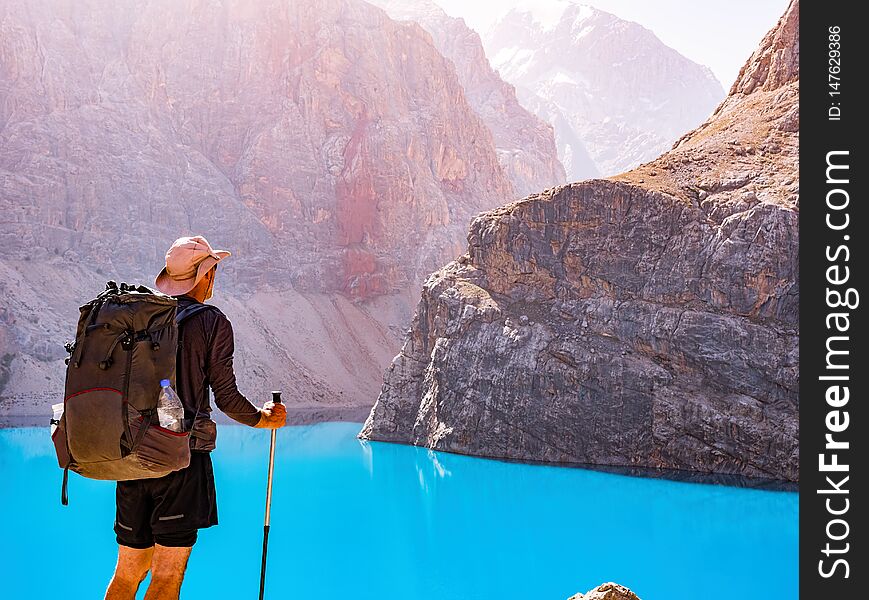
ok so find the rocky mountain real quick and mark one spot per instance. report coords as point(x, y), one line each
point(607, 591)
point(330, 148)
point(647, 320)
point(525, 143)
point(616, 95)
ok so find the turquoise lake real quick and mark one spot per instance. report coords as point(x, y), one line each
point(362, 520)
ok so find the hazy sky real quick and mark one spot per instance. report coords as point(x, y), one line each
point(720, 34)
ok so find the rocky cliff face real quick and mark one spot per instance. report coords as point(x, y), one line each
point(616, 95)
point(525, 143)
point(649, 320)
point(330, 148)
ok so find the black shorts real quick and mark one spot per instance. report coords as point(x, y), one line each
point(167, 510)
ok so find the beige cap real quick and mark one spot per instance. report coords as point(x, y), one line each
point(187, 262)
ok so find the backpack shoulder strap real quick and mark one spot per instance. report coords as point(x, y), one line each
point(190, 310)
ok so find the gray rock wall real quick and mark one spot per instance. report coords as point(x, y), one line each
point(648, 320)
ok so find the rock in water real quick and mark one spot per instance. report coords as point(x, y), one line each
point(646, 320)
point(607, 591)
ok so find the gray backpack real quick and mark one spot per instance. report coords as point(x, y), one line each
point(126, 342)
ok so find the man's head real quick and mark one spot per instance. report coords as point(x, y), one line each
point(190, 268)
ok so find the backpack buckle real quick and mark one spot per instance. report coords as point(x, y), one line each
point(127, 340)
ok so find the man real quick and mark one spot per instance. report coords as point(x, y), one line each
point(157, 519)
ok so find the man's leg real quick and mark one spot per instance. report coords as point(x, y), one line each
point(167, 572)
point(133, 565)
point(184, 504)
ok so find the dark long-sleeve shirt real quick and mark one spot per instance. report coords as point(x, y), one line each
point(205, 349)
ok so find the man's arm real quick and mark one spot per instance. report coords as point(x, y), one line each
point(222, 376)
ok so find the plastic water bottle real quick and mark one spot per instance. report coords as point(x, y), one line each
point(170, 411)
point(57, 413)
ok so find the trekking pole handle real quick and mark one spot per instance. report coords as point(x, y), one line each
point(276, 397)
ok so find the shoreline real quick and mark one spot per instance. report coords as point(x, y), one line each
point(302, 415)
point(310, 415)
point(677, 475)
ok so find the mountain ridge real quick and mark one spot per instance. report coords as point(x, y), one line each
point(525, 143)
point(608, 82)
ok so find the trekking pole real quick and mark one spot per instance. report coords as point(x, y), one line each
point(276, 398)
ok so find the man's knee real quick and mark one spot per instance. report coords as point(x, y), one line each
point(129, 580)
point(133, 563)
point(140, 576)
point(169, 563)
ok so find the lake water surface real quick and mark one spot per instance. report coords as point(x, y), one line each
point(389, 522)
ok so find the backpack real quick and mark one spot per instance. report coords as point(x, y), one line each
point(125, 343)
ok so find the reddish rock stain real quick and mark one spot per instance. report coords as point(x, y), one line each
point(356, 217)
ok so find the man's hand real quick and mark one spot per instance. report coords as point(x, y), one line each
point(272, 416)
